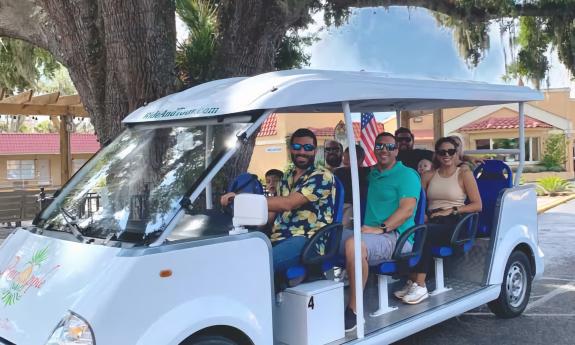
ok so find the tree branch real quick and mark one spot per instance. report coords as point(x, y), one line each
point(23, 19)
point(476, 12)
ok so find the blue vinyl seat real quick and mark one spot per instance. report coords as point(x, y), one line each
point(401, 261)
point(492, 176)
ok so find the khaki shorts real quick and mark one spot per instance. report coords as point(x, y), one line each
point(379, 247)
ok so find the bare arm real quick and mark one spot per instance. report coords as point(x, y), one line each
point(403, 212)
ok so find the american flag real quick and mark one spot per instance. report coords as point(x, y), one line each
point(368, 134)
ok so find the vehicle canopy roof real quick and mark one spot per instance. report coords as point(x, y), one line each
point(323, 91)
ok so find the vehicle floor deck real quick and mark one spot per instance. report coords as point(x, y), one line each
point(459, 288)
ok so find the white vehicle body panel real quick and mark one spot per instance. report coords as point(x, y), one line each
point(121, 294)
point(66, 273)
point(517, 225)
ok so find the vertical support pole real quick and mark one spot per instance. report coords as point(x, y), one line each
point(384, 307)
point(356, 220)
point(521, 144)
point(209, 138)
point(439, 280)
point(65, 150)
point(397, 118)
point(405, 119)
point(437, 124)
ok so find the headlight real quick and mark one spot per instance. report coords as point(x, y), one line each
point(72, 329)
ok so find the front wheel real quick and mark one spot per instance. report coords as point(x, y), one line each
point(516, 287)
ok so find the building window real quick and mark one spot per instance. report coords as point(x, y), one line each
point(532, 152)
point(483, 144)
point(20, 170)
point(77, 164)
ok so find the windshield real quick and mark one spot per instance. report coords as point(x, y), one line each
point(133, 187)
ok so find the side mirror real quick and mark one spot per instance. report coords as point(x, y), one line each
point(249, 210)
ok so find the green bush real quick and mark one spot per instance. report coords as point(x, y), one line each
point(554, 155)
point(553, 185)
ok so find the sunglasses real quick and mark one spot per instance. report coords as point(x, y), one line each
point(331, 149)
point(403, 139)
point(450, 152)
point(388, 147)
point(306, 147)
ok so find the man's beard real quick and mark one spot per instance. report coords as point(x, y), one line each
point(303, 166)
point(333, 160)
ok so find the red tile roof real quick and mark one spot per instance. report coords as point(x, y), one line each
point(269, 127)
point(18, 143)
point(329, 131)
point(503, 123)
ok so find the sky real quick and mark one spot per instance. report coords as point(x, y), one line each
point(409, 42)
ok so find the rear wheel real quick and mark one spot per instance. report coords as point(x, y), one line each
point(516, 287)
point(210, 340)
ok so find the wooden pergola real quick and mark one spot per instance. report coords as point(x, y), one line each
point(52, 104)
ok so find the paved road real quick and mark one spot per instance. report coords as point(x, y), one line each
point(550, 315)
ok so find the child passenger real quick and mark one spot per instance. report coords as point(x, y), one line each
point(423, 166)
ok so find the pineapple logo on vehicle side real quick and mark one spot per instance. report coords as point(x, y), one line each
point(21, 276)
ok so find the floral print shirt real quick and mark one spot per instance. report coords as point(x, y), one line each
point(317, 185)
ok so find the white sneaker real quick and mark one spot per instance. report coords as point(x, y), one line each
point(416, 294)
point(404, 290)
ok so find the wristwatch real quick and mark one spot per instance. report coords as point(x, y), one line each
point(455, 211)
point(383, 227)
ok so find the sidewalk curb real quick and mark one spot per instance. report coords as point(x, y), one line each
point(547, 207)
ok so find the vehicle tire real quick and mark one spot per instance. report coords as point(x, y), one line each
point(210, 340)
point(516, 287)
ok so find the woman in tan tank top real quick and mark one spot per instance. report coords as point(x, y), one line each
point(447, 189)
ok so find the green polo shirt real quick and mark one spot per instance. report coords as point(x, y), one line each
point(386, 189)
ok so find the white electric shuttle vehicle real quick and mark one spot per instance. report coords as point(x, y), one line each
point(135, 248)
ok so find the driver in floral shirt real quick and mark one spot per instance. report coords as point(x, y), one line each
point(304, 204)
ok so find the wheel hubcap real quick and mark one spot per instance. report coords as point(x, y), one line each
point(515, 284)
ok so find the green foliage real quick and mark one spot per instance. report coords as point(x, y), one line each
point(45, 126)
point(290, 53)
point(554, 154)
point(553, 185)
point(22, 64)
point(532, 62)
point(471, 38)
point(195, 55)
point(59, 82)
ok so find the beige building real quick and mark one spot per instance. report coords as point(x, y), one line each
point(486, 127)
point(33, 160)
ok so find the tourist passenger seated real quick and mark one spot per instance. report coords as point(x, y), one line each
point(447, 189)
point(344, 175)
point(392, 197)
point(333, 154)
point(409, 156)
point(424, 166)
point(304, 203)
point(273, 178)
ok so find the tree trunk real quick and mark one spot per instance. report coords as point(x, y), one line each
point(120, 53)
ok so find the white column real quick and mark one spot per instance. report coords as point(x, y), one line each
point(521, 144)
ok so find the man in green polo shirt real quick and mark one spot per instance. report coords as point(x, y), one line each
point(392, 197)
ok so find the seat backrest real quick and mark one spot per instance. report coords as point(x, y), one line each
point(420, 210)
point(492, 177)
point(338, 200)
point(246, 183)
